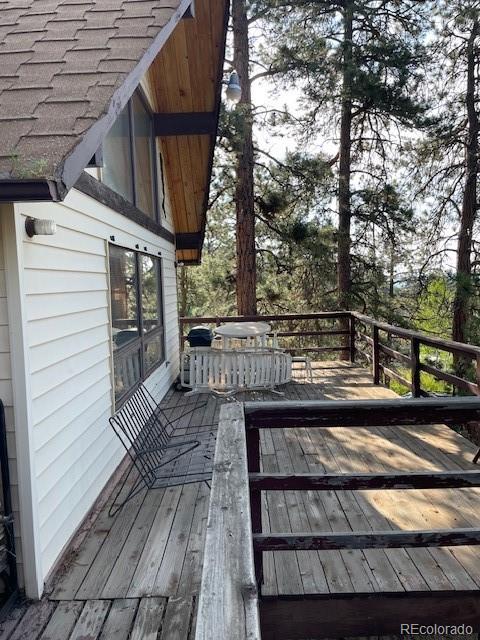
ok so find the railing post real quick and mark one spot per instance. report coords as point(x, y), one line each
point(415, 367)
point(253, 461)
point(352, 338)
point(376, 356)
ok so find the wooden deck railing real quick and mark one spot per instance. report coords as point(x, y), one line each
point(414, 341)
point(297, 328)
point(363, 336)
point(233, 564)
point(367, 413)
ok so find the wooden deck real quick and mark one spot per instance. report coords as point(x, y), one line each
point(137, 575)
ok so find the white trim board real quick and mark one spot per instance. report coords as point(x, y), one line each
point(12, 233)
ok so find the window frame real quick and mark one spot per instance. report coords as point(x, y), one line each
point(139, 343)
point(160, 329)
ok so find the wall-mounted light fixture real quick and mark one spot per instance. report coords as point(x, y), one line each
point(37, 227)
point(234, 90)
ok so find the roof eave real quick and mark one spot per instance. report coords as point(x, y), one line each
point(213, 140)
point(73, 165)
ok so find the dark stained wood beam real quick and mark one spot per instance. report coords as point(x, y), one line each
point(360, 481)
point(102, 193)
point(365, 540)
point(185, 124)
point(361, 413)
point(361, 614)
point(186, 241)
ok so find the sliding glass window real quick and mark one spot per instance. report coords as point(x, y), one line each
point(137, 317)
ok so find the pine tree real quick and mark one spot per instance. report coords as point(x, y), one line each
point(448, 158)
point(358, 64)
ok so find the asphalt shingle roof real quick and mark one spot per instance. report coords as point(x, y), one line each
point(67, 67)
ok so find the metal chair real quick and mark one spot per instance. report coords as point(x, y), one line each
point(148, 436)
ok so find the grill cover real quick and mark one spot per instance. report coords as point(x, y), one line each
point(200, 337)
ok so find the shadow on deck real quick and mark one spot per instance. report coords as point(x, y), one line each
point(137, 575)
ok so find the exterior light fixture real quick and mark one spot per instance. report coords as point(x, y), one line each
point(234, 91)
point(37, 227)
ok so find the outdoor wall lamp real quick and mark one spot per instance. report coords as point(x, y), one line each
point(234, 91)
point(37, 227)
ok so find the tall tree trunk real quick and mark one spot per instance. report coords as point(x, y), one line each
point(344, 205)
point(183, 291)
point(391, 271)
point(391, 274)
point(244, 203)
point(463, 290)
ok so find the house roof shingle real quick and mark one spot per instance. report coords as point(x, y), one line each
point(67, 67)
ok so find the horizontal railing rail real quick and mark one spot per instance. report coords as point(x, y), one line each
point(318, 315)
point(363, 481)
point(360, 413)
point(365, 540)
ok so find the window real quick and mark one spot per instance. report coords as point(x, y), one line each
point(117, 172)
point(137, 317)
point(129, 157)
point(144, 157)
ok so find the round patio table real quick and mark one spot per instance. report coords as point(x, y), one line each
point(231, 330)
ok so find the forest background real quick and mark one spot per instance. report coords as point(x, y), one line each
point(346, 176)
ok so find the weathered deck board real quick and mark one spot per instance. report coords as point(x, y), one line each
point(119, 620)
point(149, 619)
point(63, 620)
point(90, 622)
point(33, 622)
point(137, 575)
point(154, 549)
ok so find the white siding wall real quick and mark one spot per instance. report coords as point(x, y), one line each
point(6, 391)
point(68, 334)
